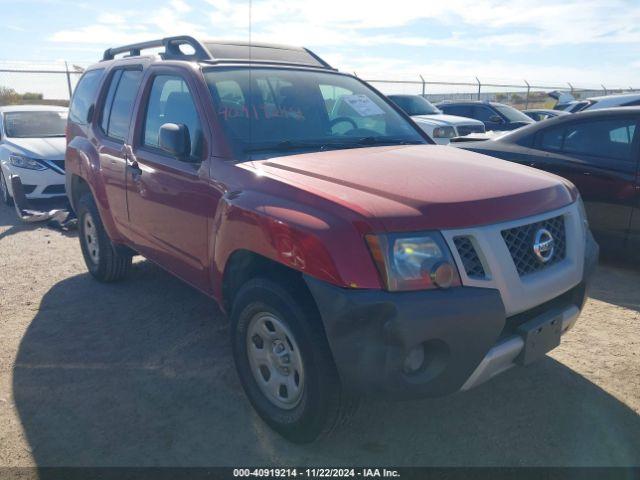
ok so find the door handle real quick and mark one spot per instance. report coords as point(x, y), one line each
point(131, 161)
point(135, 169)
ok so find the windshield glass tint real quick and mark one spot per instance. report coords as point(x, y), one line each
point(35, 124)
point(415, 104)
point(512, 114)
point(277, 109)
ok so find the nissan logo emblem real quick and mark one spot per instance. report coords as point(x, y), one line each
point(543, 245)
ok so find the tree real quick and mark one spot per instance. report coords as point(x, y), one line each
point(8, 96)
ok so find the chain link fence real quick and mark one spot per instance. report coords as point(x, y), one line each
point(24, 82)
point(38, 83)
point(522, 96)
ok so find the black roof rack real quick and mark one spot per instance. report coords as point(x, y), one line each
point(171, 49)
point(213, 51)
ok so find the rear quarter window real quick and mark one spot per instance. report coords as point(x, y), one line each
point(85, 95)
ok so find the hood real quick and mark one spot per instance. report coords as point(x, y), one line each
point(420, 187)
point(443, 120)
point(44, 148)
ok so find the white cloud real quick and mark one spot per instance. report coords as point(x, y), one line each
point(510, 24)
point(336, 27)
point(122, 27)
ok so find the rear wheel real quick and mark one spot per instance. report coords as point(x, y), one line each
point(104, 261)
point(284, 362)
point(4, 191)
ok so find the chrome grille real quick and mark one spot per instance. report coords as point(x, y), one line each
point(467, 129)
point(469, 256)
point(520, 241)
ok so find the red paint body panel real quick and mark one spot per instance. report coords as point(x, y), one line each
point(412, 188)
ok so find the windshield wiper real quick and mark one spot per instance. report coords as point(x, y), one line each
point(288, 145)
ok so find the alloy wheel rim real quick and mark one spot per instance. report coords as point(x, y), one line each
point(91, 238)
point(275, 360)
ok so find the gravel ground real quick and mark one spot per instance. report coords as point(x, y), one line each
point(140, 373)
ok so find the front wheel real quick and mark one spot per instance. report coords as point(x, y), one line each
point(101, 256)
point(284, 362)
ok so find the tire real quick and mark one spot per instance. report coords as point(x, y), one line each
point(5, 197)
point(101, 256)
point(318, 404)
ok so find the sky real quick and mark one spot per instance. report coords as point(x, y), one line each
point(547, 42)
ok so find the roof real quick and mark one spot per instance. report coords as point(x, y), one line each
point(188, 48)
point(32, 108)
point(623, 96)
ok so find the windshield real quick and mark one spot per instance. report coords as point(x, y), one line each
point(415, 105)
point(277, 110)
point(35, 124)
point(512, 114)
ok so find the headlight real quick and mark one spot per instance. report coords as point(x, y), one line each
point(25, 162)
point(444, 132)
point(413, 261)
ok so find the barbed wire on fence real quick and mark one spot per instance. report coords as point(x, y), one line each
point(522, 95)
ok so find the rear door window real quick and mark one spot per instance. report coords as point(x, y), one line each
point(85, 95)
point(613, 138)
point(484, 114)
point(460, 110)
point(118, 107)
point(607, 143)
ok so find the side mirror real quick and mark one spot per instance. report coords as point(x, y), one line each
point(175, 140)
point(496, 119)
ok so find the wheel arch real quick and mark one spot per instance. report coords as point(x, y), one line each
point(244, 265)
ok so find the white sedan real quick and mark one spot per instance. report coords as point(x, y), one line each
point(32, 146)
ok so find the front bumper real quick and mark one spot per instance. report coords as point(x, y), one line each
point(37, 184)
point(465, 333)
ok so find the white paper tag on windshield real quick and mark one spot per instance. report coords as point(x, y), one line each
point(363, 105)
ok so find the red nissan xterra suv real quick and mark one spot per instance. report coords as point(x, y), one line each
point(353, 256)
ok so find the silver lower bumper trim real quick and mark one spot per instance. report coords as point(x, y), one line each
point(502, 356)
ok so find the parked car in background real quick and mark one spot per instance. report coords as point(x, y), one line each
point(610, 101)
point(32, 146)
point(495, 116)
point(567, 103)
point(574, 106)
point(440, 127)
point(596, 150)
point(539, 114)
point(353, 255)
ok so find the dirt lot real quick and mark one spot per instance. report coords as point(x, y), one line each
point(140, 373)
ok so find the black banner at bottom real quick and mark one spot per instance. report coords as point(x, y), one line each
point(405, 473)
